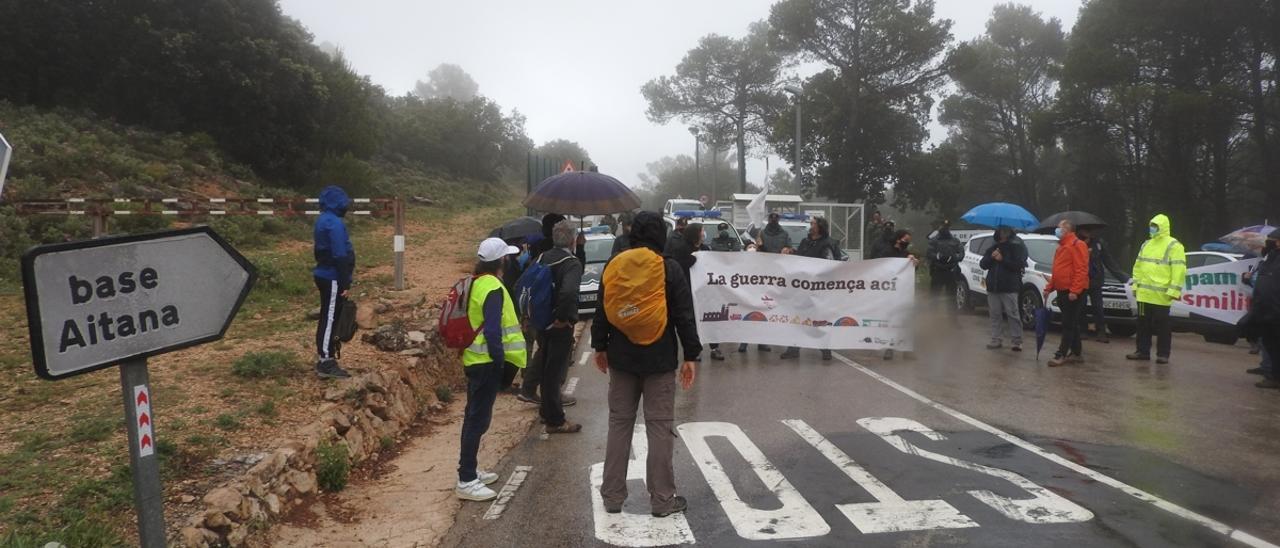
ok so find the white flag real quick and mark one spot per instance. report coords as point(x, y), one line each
point(756, 210)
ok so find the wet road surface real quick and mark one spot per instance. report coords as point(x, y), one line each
point(958, 446)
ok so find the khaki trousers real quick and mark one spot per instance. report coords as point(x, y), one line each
point(659, 394)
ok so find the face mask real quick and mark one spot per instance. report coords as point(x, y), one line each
point(1059, 232)
point(1153, 230)
point(1271, 245)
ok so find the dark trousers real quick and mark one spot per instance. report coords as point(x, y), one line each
point(1271, 349)
point(942, 289)
point(554, 347)
point(531, 377)
point(1153, 319)
point(330, 302)
point(1096, 311)
point(1070, 324)
point(483, 382)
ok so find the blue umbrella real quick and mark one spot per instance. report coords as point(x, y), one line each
point(1043, 315)
point(582, 193)
point(997, 214)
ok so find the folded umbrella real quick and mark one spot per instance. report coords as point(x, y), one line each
point(582, 193)
point(998, 214)
point(1080, 219)
point(1043, 316)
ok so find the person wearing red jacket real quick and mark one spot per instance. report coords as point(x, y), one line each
point(1070, 279)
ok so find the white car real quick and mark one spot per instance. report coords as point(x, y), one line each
point(598, 248)
point(681, 204)
point(971, 289)
point(709, 220)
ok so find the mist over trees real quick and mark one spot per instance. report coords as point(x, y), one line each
point(1145, 106)
point(447, 81)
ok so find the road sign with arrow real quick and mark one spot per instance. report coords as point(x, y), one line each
point(117, 301)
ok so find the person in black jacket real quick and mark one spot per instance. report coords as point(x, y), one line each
point(1004, 264)
point(1263, 319)
point(1099, 264)
point(945, 253)
point(646, 372)
point(555, 343)
point(623, 240)
point(818, 245)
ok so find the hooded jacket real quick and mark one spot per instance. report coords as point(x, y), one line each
point(1161, 267)
point(1265, 308)
point(945, 252)
point(821, 247)
point(335, 256)
point(1005, 276)
point(773, 238)
point(682, 330)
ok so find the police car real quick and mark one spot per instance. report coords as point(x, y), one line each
point(598, 247)
point(710, 221)
point(971, 289)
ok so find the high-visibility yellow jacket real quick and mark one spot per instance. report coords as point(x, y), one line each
point(513, 343)
point(1161, 267)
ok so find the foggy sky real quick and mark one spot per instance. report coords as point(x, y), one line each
point(573, 67)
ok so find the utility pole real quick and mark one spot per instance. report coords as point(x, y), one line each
point(697, 159)
point(796, 92)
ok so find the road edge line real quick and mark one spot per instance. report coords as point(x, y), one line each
point(507, 493)
point(1210, 523)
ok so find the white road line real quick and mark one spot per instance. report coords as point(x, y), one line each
point(583, 360)
point(630, 529)
point(891, 513)
point(571, 385)
point(508, 491)
point(1210, 523)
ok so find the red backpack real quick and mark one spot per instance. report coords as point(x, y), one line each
point(455, 323)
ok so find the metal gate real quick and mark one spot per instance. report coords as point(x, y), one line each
point(847, 222)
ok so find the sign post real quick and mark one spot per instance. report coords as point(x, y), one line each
point(6, 153)
point(117, 301)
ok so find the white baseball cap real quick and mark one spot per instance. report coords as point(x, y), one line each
point(493, 249)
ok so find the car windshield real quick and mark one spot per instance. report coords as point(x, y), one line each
point(797, 233)
point(598, 250)
point(1041, 251)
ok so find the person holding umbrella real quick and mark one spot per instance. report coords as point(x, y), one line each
point(1263, 319)
point(1004, 264)
point(1158, 275)
point(1070, 278)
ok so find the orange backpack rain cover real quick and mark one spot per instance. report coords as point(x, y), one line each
point(635, 291)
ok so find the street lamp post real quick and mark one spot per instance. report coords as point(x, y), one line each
point(796, 92)
point(697, 157)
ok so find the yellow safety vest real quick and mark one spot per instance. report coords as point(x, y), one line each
point(1160, 271)
point(513, 344)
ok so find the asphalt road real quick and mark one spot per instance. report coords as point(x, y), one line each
point(958, 446)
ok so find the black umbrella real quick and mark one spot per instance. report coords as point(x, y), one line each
point(582, 193)
point(1079, 218)
point(518, 228)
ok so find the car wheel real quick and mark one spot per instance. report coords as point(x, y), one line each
point(964, 299)
point(1029, 300)
point(1122, 330)
point(1228, 340)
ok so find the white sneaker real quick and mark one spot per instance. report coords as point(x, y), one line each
point(486, 478)
point(474, 490)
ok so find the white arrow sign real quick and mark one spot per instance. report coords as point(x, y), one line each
point(6, 152)
point(97, 303)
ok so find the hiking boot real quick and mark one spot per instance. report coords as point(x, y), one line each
point(566, 400)
point(530, 399)
point(994, 345)
point(1075, 358)
point(1162, 360)
point(486, 478)
point(888, 355)
point(1138, 357)
point(328, 369)
point(790, 354)
point(678, 505)
point(1057, 361)
point(1103, 339)
point(1254, 371)
point(566, 428)
point(613, 509)
point(764, 348)
point(1268, 383)
point(474, 490)
point(1017, 347)
point(826, 355)
point(717, 355)
point(741, 348)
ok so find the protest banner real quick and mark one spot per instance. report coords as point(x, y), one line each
point(1216, 291)
point(788, 300)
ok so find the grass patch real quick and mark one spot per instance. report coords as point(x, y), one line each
point(93, 429)
point(228, 422)
point(444, 393)
point(263, 365)
point(266, 409)
point(386, 442)
point(332, 466)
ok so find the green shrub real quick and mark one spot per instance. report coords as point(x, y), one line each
point(332, 466)
point(444, 393)
point(227, 421)
point(266, 409)
point(262, 365)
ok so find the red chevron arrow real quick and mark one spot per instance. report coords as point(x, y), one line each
point(144, 420)
point(142, 398)
point(146, 441)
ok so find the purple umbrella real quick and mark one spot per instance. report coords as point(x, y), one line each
point(582, 193)
point(1249, 239)
point(1043, 315)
